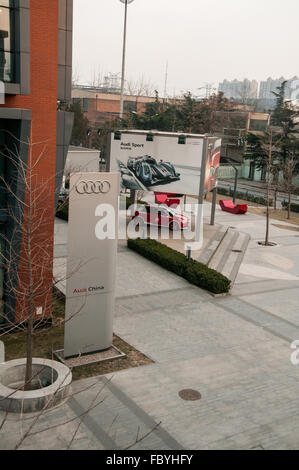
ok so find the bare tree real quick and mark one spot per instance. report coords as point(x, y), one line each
point(29, 277)
point(75, 77)
point(140, 87)
point(261, 148)
point(27, 261)
point(289, 170)
point(97, 79)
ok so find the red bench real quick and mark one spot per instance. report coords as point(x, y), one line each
point(161, 198)
point(229, 206)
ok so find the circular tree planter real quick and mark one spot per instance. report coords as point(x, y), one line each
point(51, 380)
point(268, 244)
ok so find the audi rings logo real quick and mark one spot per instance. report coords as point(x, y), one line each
point(93, 187)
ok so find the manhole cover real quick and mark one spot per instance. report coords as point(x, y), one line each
point(237, 251)
point(190, 395)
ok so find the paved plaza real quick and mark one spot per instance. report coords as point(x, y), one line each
point(234, 350)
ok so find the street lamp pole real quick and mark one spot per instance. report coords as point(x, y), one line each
point(126, 2)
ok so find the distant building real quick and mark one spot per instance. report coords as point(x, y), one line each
point(270, 85)
point(100, 106)
point(81, 159)
point(242, 91)
point(292, 89)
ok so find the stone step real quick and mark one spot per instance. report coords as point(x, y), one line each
point(207, 253)
point(229, 254)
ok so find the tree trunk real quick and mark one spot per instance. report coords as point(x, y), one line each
point(289, 204)
point(268, 191)
point(29, 352)
point(29, 355)
point(267, 216)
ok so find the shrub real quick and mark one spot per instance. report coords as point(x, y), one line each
point(63, 212)
point(294, 207)
point(193, 271)
point(128, 202)
point(245, 196)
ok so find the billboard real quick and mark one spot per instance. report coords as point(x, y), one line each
point(212, 163)
point(91, 264)
point(164, 162)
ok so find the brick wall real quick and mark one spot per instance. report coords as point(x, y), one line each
point(42, 101)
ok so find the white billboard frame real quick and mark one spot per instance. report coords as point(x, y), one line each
point(204, 175)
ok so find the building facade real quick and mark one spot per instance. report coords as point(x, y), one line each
point(100, 106)
point(35, 70)
point(242, 91)
point(270, 85)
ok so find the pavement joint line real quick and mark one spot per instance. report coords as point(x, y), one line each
point(167, 291)
point(273, 315)
point(287, 235)
point(172, 443)
point(264, 281)
point(265, 291)
point(211, 298)
point(270, 330)
point(92, 425)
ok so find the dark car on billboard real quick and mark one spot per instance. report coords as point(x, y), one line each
point(150, 172)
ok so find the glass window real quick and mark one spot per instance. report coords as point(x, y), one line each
point(258, 125)
point(2, 253)
point(130, 106)
point(2, 171)
point(85, 104)
point(7, 41)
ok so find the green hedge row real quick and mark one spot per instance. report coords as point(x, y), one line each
point(128, 202)
point(245, 196)
point(63, 212)
point(294, 207)
point(193, 271)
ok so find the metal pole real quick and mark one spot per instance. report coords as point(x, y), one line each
point(199, 221)
point(123, 64)
point(236, 183)
point(213, 206)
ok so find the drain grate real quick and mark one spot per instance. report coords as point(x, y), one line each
point(190, 395)
point(237, 251)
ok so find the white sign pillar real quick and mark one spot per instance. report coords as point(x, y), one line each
point(2, 352)
point(91, 265)
point(199, 219)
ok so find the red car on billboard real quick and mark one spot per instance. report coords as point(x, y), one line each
point(162, 217)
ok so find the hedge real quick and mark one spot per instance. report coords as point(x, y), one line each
point(245, 196)
point(193, 271)
point(63, 212)
point(294, 207)
point(129, 203)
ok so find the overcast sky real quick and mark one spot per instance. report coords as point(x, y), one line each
point(204, 41)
